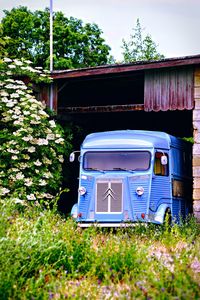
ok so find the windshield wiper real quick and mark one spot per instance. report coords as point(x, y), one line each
point(94, 169)
point(123, 169)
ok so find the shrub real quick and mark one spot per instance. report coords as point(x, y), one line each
point(32, 144)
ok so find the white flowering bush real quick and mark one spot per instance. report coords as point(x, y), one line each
point(31, 143)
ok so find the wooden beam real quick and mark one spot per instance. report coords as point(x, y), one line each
point(125, 68)
point(100, 109)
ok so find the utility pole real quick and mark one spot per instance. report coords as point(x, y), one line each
point(51, 53)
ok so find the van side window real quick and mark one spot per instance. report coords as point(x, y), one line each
point(159, 169)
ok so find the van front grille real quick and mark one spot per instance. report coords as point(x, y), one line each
point(109, 196)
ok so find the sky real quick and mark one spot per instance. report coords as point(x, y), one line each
point(173, 24)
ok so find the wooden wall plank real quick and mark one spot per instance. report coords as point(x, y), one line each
point(169, 89)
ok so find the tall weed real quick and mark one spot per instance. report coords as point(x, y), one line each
point(44, 256)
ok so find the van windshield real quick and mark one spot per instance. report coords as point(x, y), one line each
point(117, 160)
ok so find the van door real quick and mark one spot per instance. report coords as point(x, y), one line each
point(160, 188)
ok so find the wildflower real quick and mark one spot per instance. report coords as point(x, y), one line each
point(7, 59)
point(11, 66)
point(41, 142)
point(19, 81)
point(5, 99)
point(19, 201)
point(28, 182)
point(50, 136)
point(14, 170)
point(27, 138)
point(34, 122)
point(31, 197)
point(4, 94)
point(52, 123)
point(26, 112)
point(14, 157)
point(19, 176)
point(4, 191)
point(17, 133)
point(33, 141)
point(26, 156)
point(13, 151)
point(23, 87)
point(195, 265)
point(23, 166)
point(31, 149)
point(14, 95)
point(28, 61)
point(42, 182)
point(10, 104)
point(17, 122)
point(47, 161)
point(47, 175)
point(12, 142)
point(37, 162)
point(17, 111)
point(18, 62)
point(48, 196)
point(60, 158)
point(59, 141)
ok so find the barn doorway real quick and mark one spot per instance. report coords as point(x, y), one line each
point(177, 123)
point(156, 96)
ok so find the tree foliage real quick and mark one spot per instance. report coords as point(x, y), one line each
point(75, 44)
point(140, 47)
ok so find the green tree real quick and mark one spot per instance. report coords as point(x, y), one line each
point(140, 47)
point(75, 44)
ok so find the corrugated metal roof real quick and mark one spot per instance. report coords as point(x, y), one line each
point(130, 67)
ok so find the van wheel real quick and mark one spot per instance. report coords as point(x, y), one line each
point(167, 218)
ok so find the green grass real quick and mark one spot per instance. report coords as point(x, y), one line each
point(44, 256)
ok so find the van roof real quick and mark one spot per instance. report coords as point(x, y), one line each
point(128, 139)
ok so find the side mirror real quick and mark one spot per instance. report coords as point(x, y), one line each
point(72, 157)
point(164, 160)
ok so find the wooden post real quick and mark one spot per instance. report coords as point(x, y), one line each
point(196, 146)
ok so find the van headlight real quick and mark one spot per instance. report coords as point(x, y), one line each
point(140, 190)
point(82, 190)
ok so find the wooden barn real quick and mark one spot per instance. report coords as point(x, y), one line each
point(155, 95)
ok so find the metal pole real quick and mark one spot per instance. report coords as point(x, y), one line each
point(51, 35)
point(51, 53)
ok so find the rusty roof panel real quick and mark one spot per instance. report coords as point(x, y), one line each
point(124, 68)
point(169, 89)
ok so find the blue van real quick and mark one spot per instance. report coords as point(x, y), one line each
point(132, 176)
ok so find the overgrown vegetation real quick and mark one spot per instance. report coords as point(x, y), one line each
point(32, 144)
point(43, 256)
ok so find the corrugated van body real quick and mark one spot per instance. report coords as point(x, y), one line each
point(129, 176)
